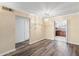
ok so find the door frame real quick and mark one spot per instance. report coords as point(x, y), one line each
point(66, 29)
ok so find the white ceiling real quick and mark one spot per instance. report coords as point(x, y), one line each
point(45, 8)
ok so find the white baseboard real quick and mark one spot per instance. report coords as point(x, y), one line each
point(35, 41)
point(73, 43)
point(7, 52)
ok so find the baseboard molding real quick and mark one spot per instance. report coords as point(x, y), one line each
point(70, 42)
point(73, 43)
point(49, 38)
point(35, 41)
point(7, 52)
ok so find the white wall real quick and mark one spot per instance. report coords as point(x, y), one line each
point(22, 31)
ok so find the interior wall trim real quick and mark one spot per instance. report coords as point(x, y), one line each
point(73, 43)
point(7, 52)
point(71, 14)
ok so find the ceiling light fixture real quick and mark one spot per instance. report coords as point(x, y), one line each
point(45, 13)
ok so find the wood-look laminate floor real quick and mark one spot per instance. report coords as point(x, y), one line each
point(47, 48)
point(20, 44)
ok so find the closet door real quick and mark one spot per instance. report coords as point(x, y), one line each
point(22, 29)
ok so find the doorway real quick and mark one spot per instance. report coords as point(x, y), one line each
point(22, 31)
point(61, 30)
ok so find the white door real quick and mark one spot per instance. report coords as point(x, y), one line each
point(22, 29)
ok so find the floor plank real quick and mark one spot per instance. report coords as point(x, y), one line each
point(47, 48)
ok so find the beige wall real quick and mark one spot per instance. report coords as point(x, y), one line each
point(7, 31)
point(73, 29)
point(49, 31)
point(36, 29)
point(22, 14)
point(41, 29)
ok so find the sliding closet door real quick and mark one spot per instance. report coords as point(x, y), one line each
point(22, 29)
